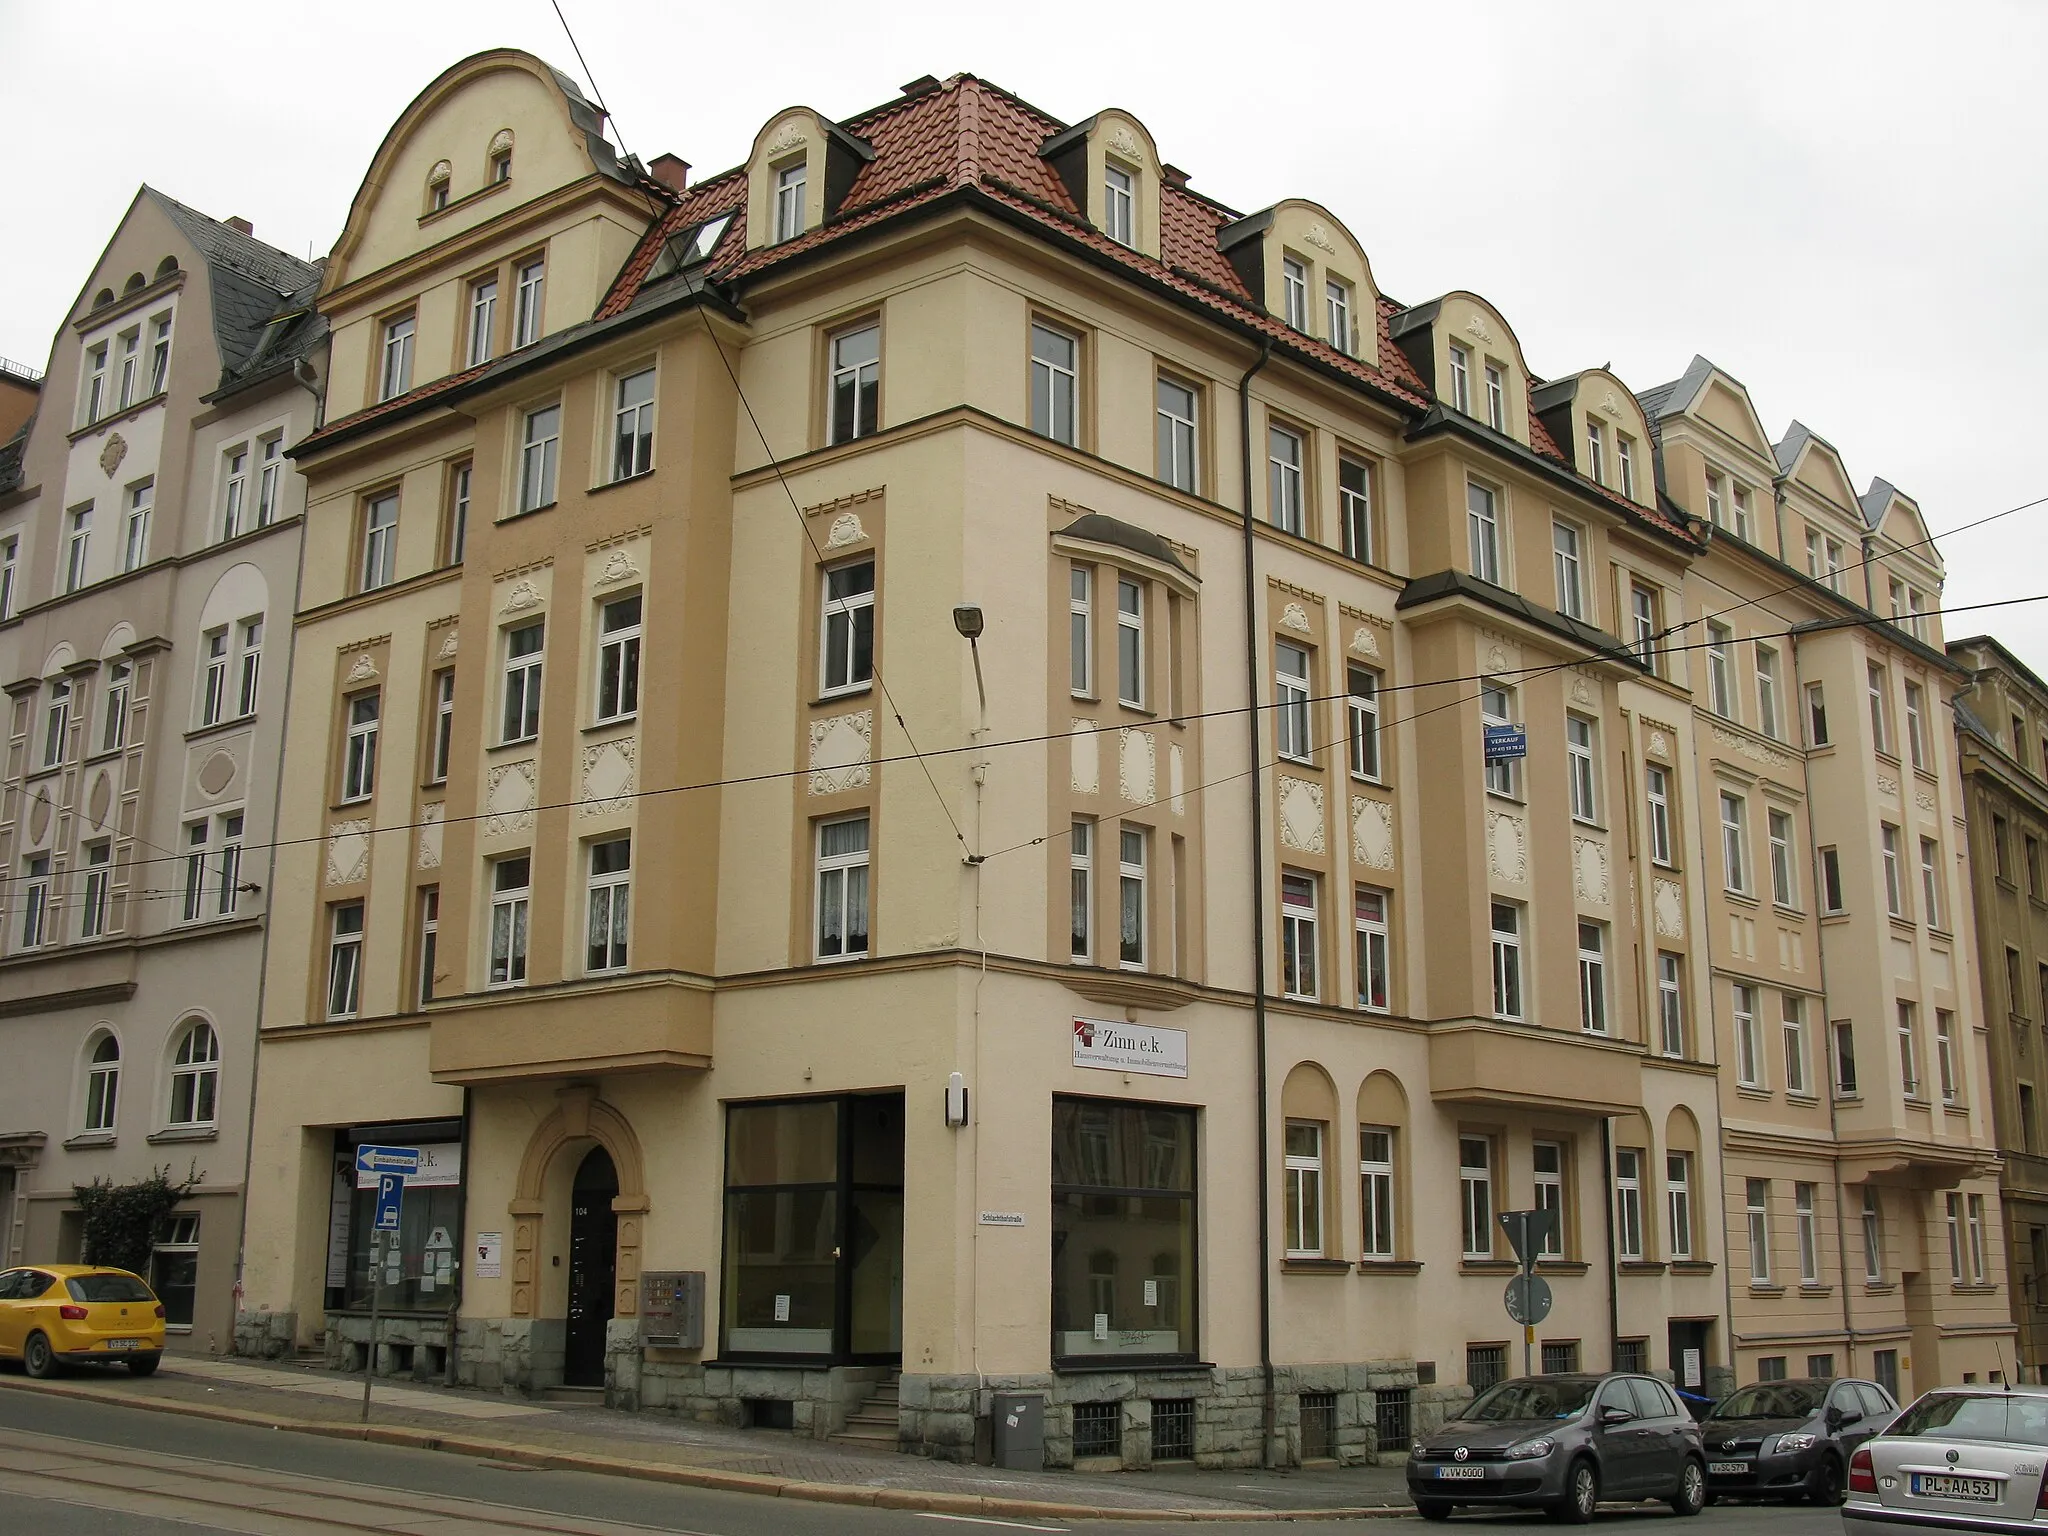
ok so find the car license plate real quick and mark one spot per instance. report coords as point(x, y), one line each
point(1931, 1486)
point(1461, 1471)
point(1728, 1468)
point(124, 1343)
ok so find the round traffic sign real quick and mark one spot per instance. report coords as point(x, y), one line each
point(1528, 1298)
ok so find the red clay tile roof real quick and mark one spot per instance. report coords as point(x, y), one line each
point(397, 403)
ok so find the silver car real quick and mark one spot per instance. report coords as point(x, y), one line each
point(1962, 1458)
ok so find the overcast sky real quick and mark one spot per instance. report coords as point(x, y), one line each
point(1841, 204)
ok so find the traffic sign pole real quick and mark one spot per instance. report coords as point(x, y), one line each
point(390, 1165)
point(376, 1290)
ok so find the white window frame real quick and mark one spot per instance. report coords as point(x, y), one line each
point(1294, 292)
point(195, 1078)
point(1056, 381)
point(1792, 1015)
point(1286, 455)
point(1842, 1059)
point(10, 563)
point(1625, 463)
point(483, 320)
point(1720, 674)
point(269, 477)
point(791, 192)
point(1930, 881)
point(77, 546)
point(1081, 890)
point(363, 717)
point(1735, 843)
point(1877, 684)
point(1567, 567)
point(609, 895)
point(1873, 1236)
point(394, 372)
point(1475, 1197)
point(248, 665)
point(1379, 1226)
point(57, 723)
point(1784, 869)
point(345, 960)
point(1628, 1204)
point(114, 706)
point(1973, 1216)
point(1461, 379)
point(1119, 203)
point(1817, 716)
point(458, 510)
point(1337, 313)
point(1748, 1048)
point(1507, 960)
point(854, 377)
point(1894, 875)
point(1354, 504)
point(1293, 733)
point(617, 685)
point(1179, 407)
point(1299, 900)
point(1081, 631)
point(529, 301)
point(1370, 908)
point(379, 567)
point(1596, 452)
point(1806, 1223)
point(95, 382)
point(430, 944)
point(1582, 750)
point(1132, 954)
point(1592, 977)
point(843, 619)
point(1496, 396)
point(841, 877)
point(519, 716)
point(1642, 606)
point(1303, 1155)
point(1757, 1209)
point(1547, 1165)
point(1482, 531)
point(444, 725)
point(1362, 708)
point(35, 902)
point(1657, 788)
point(511, 931)
point(540, 446)
point(1947, 1064)
point(1670, 1004)
point(213, 691)
point(1678, 1205)
point(1907, 1028)
point(159, 353)
point(1130, 641)
point(234, 490)
point(1767, 692)
point(102, 1086)
point(1496, 707)
point(135, 531)
point(633, 424)
point(1916, 725)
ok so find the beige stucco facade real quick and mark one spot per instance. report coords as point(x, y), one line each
point(1254, 1048)
point(149, 539)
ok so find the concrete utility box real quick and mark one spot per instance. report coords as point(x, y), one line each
point(672, 1308)
point(1019, 1431)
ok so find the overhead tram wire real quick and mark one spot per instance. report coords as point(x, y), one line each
point(774, 775)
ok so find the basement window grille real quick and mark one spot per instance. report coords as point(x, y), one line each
point(1393, 1417)
point(1173, 1429)
point(1318, 1426)
point(1098, 1429)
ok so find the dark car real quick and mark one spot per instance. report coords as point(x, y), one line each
point(1791, 1439)
point(1562, 1444)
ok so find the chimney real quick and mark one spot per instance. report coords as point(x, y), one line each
point(671, 172)
point(240, 226)
point(1175, 176)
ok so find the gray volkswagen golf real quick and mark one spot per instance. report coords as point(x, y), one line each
point(1562, 1444)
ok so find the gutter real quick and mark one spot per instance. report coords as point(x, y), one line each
point(1252, 671)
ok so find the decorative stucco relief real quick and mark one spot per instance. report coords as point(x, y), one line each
point(449, 642)
point(1365, 643)
point(428, 854)
point(1609, 406)
point(1755, 751)
point(1176, 779)
point(1660, 746)
point(1924, 800)
point(1507, 847)
point(523, 596)
point(609, 772)
point(1589, 869)
point(1667, 903)
point(1124, 142)
point(618, 566)
point(1582, 690)
point(1887, 786)
point(1319, 237)
point(789, 136)
point(217, 774)
point(112, 455)
point(510, 792)
point(1085, 755)
point(846, 529)
point(1301, 814)
point(1478, 327)
point(348, 851)
point(1294, 616)
point(1137, 766)
point(364, 670)
point(1372, 833)
point(99, 800)
point(842, 746)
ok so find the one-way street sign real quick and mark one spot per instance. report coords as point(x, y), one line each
point(387, 1159)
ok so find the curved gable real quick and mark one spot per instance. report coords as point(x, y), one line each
point(505, 99)
point(1085, 154)
point(1600, 425)
point(1482, 339)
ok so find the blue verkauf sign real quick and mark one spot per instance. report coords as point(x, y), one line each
point(387, 1159)
point(1506, 741)
point(390, 1191)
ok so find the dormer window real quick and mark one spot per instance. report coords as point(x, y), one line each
point(1496, 396)
point(789, 200)
point(1461, 380)
point(1625, 463)
point(1337, 310)
point(1119, 205)
point(1294, 292)
point(1596, 452)
point(501, 166)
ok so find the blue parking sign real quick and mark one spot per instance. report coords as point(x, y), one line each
point(390, 1190)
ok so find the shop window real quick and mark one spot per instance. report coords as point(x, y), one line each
point(1124, 1278)
point(420, 1274)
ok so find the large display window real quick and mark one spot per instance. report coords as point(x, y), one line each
point(814, 1229)
point(423, 1274)
point(1123, 1232)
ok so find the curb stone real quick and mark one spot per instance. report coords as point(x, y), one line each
point(932, 1500)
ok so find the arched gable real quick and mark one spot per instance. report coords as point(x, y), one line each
point(1725, 404)
point(240, 593)
point(119, 638)
point(829, 157)
point(1308, 1094)
point(1482, 339)
point(560, 140)
point(1595, 407)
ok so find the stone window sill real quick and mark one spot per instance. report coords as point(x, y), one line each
point(1306, 1266)
point(184, 1133)
point(1390, 1266)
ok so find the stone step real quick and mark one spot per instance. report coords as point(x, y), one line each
point(868, 1434)
point(588, 1396)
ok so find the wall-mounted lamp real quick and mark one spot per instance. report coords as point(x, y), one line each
point(956, 1100)
point(968, 620)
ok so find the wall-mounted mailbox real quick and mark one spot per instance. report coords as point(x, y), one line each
point(672, 1308)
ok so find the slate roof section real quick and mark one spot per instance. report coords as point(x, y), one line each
point(292, 332)
point(276, 270)
point(1876, 499)
point(1669, 399)
point(1100, 528)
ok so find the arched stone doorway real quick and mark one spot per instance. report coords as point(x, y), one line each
point(593, 1267)
point(547, 1192)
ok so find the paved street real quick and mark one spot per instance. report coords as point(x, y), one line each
point(89, 1467)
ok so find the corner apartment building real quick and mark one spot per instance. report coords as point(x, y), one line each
point(149, 541)
point(1860, 1168)
point(670, 848)
point(2001, 720)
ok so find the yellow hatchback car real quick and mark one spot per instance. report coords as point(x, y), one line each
point(53, 1315)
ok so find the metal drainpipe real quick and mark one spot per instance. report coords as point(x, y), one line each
point(1613, 1272)
point(451, 1361)
point(1251, 678)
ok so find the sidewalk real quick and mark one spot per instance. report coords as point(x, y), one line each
point(655, 1446)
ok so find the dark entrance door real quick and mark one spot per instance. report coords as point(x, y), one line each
point(593, 1264)
point(1690, 1339)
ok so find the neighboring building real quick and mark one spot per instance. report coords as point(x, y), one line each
point(766, 432)
point(2002, 731)
point(149, 534)
point(20, 388)
point(1860, 1190)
